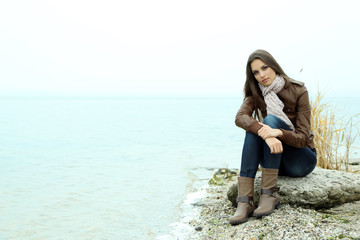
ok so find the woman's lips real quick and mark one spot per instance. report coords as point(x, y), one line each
point(265, 80)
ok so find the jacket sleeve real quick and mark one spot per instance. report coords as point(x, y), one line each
point(301, 136)
point(244, 117)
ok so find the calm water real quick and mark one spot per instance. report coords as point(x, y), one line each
point(108, 168)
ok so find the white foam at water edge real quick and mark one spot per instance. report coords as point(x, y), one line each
point(182, 229)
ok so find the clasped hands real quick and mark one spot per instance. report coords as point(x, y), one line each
point(269, 135)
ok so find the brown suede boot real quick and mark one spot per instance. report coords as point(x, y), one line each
point(245, 204)
point(269, 198)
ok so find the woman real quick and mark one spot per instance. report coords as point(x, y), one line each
point(276, 116)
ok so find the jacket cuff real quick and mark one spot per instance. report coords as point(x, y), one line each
point(286, 135)
point(254, 128)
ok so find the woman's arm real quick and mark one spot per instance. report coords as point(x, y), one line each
point(266, 132)
point(301, 136)
point(244, 117)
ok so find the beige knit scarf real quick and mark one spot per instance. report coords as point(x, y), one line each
point(274, 106)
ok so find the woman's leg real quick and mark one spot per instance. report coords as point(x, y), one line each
point(269, 198)
point(252, 154)
point(297, 162)
point(249, 164)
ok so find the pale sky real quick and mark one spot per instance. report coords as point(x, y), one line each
point(173, 48)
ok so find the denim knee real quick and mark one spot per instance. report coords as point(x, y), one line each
point(298, 172)
point(272, 121)
point(275, 122)
point(249, 136)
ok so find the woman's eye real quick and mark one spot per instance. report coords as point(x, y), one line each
point(264, 68)
point(255, 73)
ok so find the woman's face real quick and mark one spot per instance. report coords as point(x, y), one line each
point(262, 72)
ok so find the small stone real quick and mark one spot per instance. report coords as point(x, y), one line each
point(288, 222)
point(233, 233)
point(198, 229)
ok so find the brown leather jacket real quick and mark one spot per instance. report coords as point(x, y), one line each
point(295, 97)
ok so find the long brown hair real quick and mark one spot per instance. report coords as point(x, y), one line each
point(251, 87)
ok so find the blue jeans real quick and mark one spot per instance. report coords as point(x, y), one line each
point(292, 162)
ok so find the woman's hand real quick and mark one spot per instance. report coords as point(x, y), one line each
point(274, 144)
point(267, 132)
point(269, 135)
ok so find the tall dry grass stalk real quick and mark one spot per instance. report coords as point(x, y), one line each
point(334, 136)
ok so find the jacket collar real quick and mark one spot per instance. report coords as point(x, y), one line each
point(287, 83)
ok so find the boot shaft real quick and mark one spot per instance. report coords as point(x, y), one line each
point(245, 186)
point(269, 178)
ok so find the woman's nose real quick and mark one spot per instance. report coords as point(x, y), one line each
point(262, 74)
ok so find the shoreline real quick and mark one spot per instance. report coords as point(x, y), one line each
point(181, 229)
point(197, 191)
point(341, 222)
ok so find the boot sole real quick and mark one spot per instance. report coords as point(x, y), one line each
point(277, 206)
point(242, 221)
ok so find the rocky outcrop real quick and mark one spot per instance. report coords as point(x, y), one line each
point(320, 189)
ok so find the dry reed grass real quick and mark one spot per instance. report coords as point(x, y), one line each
point(334, 136)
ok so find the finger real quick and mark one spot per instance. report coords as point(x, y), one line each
point(273, 150)
point(277, 151)
point(260, 131)
point(279, 148)
point(264, 127)
point(276, 148)
point(266, 135)
point(262, 135)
